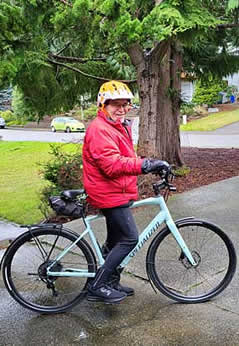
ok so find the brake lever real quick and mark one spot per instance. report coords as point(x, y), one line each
point(165, 174)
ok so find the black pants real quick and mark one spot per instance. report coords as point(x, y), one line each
point(122, 235)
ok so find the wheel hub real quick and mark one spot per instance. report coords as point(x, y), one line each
point(184, 260)
point(42, 271)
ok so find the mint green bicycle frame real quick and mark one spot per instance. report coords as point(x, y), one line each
point(163, 216)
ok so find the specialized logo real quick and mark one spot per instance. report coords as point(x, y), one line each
point(143, 241)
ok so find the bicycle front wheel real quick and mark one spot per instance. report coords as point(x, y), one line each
point(25, 270)
point(174, 276)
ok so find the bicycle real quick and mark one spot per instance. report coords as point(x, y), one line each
point(189, 260)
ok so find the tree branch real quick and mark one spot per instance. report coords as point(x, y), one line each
point(88, 75)
point(74, 59)
point(66, 46)
point(227, 26)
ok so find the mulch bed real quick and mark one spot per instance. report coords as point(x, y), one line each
point(207, 166)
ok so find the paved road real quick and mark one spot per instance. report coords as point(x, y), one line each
point(40, 135)
point(226, 137)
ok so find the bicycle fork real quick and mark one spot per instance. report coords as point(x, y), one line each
point(174, 230)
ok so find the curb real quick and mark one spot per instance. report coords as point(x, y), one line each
point(28, 128)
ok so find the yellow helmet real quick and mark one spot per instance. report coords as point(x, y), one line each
point(113, 90)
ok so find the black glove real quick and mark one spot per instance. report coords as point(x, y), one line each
point(154, 166)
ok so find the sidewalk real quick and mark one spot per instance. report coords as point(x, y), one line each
point(153, 319)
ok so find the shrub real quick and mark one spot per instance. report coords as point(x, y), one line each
point(11, 118)
point(19, 122)
point(207, 92)
point(187, 108)
point(21, 108)
point(90, 112)
point(63, 171)
point(7, 116)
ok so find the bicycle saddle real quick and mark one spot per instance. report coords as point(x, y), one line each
point(72, 194)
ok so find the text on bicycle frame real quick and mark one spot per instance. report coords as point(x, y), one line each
point(143, 241)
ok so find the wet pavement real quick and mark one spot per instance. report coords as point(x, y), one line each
point(40, 135)
point(146, 318)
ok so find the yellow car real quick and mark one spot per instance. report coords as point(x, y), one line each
point(67, 124)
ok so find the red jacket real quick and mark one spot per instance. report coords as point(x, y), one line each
point(110, 165)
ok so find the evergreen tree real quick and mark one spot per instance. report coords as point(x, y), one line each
point(58, 50)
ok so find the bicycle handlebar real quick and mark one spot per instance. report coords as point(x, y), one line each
point(167, 176)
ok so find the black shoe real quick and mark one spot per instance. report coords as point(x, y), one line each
point(105, 294)
point(114, 282)
point(128, 290)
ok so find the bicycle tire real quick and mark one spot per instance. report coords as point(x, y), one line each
point(173, 275)
point(24, 270)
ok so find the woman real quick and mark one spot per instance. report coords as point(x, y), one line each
point(110, 169)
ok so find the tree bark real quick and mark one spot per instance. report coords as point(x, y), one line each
point(159, 84)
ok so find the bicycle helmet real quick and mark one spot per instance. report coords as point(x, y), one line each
point(113, 90)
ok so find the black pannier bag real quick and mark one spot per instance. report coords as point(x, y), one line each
point(66, 207)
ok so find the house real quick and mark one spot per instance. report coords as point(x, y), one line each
point(188, 86)
point(187, 90)
point(5, 99)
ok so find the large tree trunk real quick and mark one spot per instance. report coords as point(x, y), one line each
point(159, 84)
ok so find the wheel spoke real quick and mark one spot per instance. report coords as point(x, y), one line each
point(52, 248)
point(40, 247)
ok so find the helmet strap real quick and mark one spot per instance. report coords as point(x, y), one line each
point(102, 108)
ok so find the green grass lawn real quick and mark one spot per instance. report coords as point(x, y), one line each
point(212, 121)
point(20, 180)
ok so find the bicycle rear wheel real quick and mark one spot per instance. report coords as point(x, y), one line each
point(25, 265)
point(174, 276)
